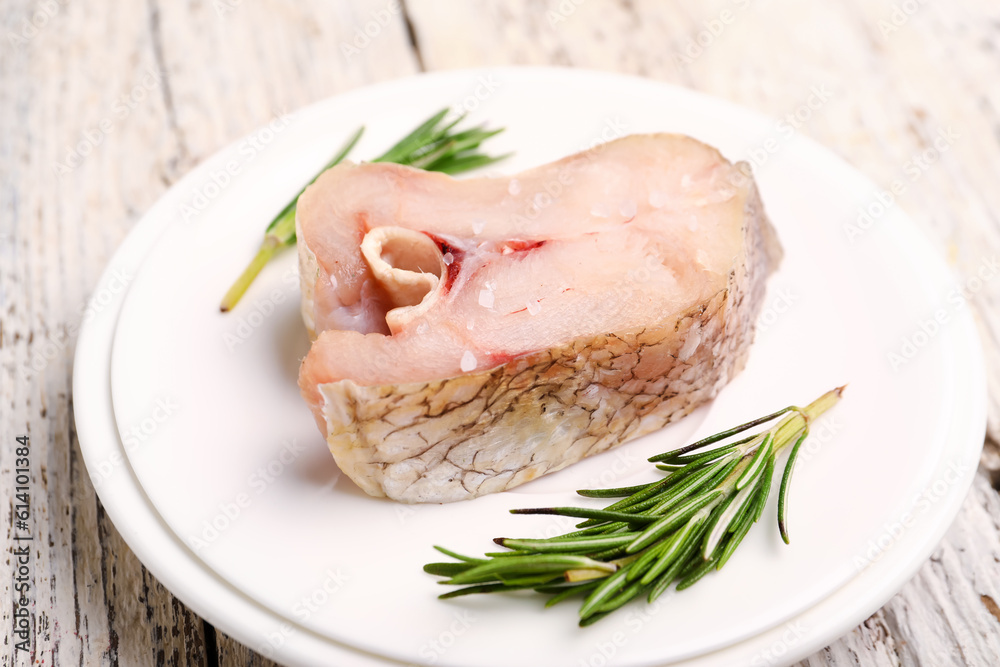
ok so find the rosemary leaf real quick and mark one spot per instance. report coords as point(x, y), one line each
point(721, 526)
point(712, 454)
point(720, 436)
point(533, 564)
point(732, 542)
point(601, 529)
point(678, 545)
point(786, 480)
point(697, 574)
point(570, 545)
point(696, 481)
point(588, 513)
point(411, 142)
point(757, 463)
point(457, 556)
point(647, 558)
point(680, 514)
point(568, 592)
point(688, 554)
point(626, 595)
point(531, 581)
point(614, 493)
point(604, 591)
point(447, 569)
point(481, 588)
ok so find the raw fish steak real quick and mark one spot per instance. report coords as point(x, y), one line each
point(472, 335)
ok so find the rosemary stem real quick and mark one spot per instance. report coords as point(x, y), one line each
point(268, 247)
point(279, 233)
point(786, 431)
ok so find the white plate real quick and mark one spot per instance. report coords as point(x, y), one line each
point(232, 403)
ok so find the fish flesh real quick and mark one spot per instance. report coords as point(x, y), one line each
point(472, 335)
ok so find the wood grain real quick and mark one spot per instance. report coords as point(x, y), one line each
point(149, 89)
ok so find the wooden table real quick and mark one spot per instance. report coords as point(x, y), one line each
point(104, 105)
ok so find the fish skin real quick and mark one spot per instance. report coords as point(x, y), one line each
point(485, 431)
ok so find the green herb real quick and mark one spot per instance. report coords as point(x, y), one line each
point(434, 145)
point(677, 529)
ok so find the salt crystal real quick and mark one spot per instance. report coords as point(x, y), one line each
point(491, 285)
point(514, 187)
point(534, 307)
point(470, 325)
point(657, 199)
point(469, 362)
point(486, 298)
point(600, 210)
point(725, 194)
point(448, 258)
point(478, 225)
point(422, 328)
point(627, 208)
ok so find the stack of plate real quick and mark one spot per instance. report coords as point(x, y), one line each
point(213, 470)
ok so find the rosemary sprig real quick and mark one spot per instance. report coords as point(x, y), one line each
point(434, 145)
point(675, 530)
